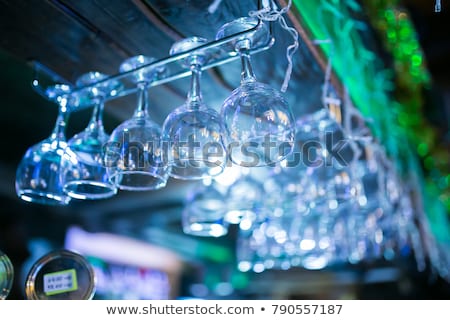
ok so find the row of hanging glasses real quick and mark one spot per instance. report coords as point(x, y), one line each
point(195, 141)
point(296, 201)
point(315, 209)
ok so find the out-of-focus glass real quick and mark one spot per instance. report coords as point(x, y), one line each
point(6, 275)
point(204, 212)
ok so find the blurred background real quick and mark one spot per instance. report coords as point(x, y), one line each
point(389, 62)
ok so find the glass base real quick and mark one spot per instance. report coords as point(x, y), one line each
point(102, 89)
point(144, 74)
point(259, 37)
point(199, 56)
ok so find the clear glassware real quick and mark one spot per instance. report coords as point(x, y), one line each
point(279, 245)
point(315, 240)
point(251, 249)
point(317, 173)
point(38, 176)
point(204, 212)
point(259, 124)
point(244, 200)
point(193, 132)
point(133, 153)
point(6, 275)
point(285, 193)
point(269, 244)
point(373, 220)
point(84, 175)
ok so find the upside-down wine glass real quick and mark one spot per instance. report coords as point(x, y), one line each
point(84, 175)
point(133, 153)
point(193, 131)
point(204, 212)
point(38, 176)
point(259, 125)
point(244, 201)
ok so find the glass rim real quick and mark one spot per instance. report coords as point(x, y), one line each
point(106, 189)
point(121, 173)
point(42, 197)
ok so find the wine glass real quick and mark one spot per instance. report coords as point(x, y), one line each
point(374, 222)
point(193, 131)
point(84, 175)
point(38, 176)
point(327, 157)
point(259, 125)
point(133, 153)
point(244, 201)
point(204, 212)
point(251, 249)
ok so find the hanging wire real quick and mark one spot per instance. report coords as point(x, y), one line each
point(271, 14)
point(326, 96)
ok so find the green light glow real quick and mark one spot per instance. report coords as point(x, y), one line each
point(416, 60)
point(429, 163)
point(422, 149)
point(389, 15)
point(239, 280)
point(213, 252)
point(392, 35)
point(398, 123)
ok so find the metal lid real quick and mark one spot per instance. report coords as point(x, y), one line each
point(61, 275)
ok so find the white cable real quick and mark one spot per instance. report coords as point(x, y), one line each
point(326, 97)
point(269, 13)
point(348, 131)
point(327, 78)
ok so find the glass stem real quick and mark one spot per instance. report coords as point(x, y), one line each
point(142, 107)
point(59, 131)
point(194, 94)
point(247, 74)
point(96, 122)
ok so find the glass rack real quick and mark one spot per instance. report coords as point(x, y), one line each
point(224, 52)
